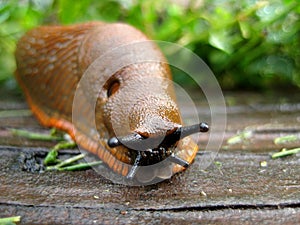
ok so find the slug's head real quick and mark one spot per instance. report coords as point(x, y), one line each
point(143, 119)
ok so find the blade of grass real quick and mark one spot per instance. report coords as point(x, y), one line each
point(35, 136)
point(10, 220)
point(51, 157)
point(15, 113)
point(285, 139)
point(285, 152)
point(80, 166)
point(66, 162)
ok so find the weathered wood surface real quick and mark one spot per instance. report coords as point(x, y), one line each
point(234, 191)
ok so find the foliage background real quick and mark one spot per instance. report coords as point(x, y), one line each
point(247, 43)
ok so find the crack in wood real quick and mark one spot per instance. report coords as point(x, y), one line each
point(173, 209)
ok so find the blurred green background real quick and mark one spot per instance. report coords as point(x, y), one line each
point(248, 44)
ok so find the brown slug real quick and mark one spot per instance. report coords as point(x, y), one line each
point(51, 61)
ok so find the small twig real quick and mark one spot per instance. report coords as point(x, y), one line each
point(285, 152)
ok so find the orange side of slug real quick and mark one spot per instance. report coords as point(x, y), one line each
point(49, 57)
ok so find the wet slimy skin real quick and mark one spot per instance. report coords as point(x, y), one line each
point(51, 61)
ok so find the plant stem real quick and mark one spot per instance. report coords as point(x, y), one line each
point(64, 145)
point(34, 135)
point(80, 166)
point(15, 113)
point(66, 162)
point(10, 220)
point(51, 157)
point(285, 139)
point(285, 152)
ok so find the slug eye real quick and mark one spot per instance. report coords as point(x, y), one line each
point(113, 87)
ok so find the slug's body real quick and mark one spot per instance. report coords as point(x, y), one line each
point(51, 62)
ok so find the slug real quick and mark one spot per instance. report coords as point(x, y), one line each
point(51, 61)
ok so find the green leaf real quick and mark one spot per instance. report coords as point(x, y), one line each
point(4, 16)
point(220, 40)
point(51, 158)
point(245, 29)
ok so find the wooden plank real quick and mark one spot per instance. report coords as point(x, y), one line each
point(240, 185)
point(89, 216)
point(234, 189)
